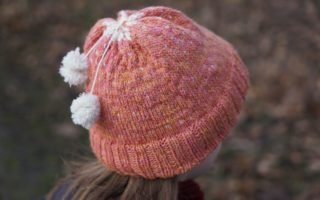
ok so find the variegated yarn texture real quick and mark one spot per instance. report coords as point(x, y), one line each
point(169, 90)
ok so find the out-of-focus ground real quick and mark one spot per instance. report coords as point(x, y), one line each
point(273, 153)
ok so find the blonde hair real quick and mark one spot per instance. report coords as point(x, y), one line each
point(91, 180)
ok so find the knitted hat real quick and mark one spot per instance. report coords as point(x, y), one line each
point(161, 91)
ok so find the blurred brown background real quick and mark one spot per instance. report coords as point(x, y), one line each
point(273, 153)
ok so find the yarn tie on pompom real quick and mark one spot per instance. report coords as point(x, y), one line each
point(85, 109)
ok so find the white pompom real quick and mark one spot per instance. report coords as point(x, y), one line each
point(73, 77)
point(74, 67)
point(75, 60)
point(85, 110)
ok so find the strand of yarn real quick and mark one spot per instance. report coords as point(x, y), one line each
point(103, 55)
point(75, 64)
point(93, 47)
point(86, 108)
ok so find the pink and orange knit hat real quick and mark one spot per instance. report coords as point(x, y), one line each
point(161, 91)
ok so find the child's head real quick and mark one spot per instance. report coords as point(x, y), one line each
point(162, 92)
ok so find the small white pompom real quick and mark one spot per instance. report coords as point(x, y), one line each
point(74, 67)
point(75, 60)
point(73, 77)
point(85, 110)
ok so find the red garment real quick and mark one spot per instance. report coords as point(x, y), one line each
point(190, 190)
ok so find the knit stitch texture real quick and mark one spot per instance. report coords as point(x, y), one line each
point(170, 90)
